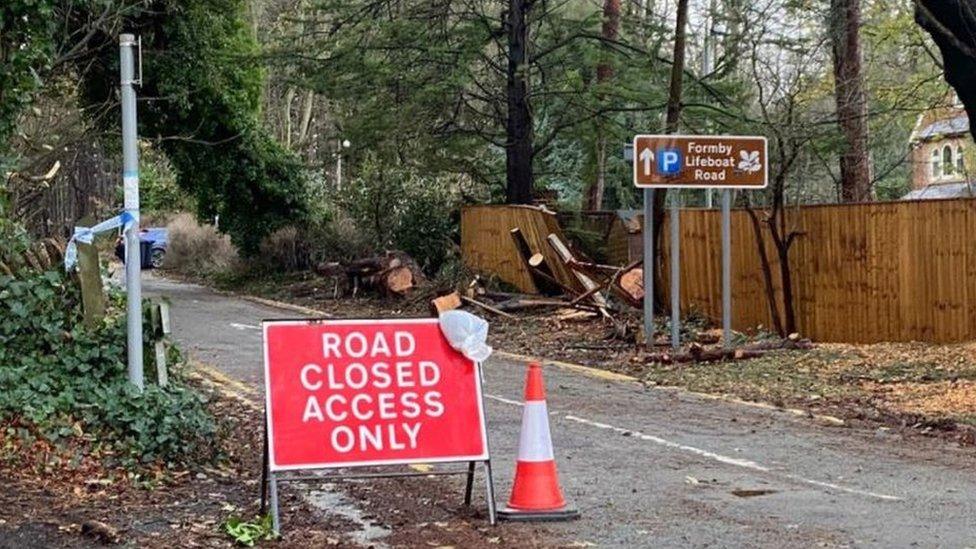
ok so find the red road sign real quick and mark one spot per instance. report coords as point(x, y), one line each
point(700, 161)
point(369, 392)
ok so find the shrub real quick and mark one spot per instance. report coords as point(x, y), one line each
point(68, 383)
point(402, 209)
point(196, 249)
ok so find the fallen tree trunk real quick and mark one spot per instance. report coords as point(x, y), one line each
point(588, 284)
point(535, 263)
point(391, 274)
point(697, 353)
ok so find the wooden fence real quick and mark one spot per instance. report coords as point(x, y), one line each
point(891, 271)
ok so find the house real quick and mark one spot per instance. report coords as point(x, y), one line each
point(942, 155)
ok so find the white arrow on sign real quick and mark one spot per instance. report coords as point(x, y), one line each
point(647, 157)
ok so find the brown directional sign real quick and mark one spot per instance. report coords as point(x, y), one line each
point(700, 161)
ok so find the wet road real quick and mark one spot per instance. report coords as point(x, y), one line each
point(663, 468)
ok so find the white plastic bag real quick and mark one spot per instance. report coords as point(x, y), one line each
point(467, 334)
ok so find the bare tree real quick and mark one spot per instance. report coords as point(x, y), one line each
point(781, 78)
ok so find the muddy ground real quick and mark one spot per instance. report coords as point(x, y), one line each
point(45, 503)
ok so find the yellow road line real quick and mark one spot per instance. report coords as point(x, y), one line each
point(286, 306)
point(223, 378)
point(597, 373)
point(588, 371)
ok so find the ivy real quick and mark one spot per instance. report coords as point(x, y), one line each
point(67, 381)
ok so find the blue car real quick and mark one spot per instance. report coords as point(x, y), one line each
point(157, 239)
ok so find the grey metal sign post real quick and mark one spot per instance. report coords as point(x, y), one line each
point(727, 268)
point(695, 162)
point(130, 179)
point(675, 222)
point(648, 268)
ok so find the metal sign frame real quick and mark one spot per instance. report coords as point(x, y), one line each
point(271, 476)
point(648, 237)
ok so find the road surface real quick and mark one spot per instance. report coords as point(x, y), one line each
point(663, 468)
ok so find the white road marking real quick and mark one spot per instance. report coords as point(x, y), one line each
point(244, 326)
point(503, 399)
point(737, 462)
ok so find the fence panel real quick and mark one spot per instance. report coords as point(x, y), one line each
point(887, 271)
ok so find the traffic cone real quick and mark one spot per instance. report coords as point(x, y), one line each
point(536, 494)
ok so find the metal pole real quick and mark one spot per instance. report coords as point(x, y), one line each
point(648, 268)
point(275, 516)
point(727, 268)
point(130, 179)
point(339, 170)
point(674, 221)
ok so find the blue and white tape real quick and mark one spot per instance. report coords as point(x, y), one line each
point(86, 235)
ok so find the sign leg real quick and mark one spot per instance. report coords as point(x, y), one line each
point(727, 268)
point(264, 473)
point(275, 518)
point(490, 487)
point(674, 221)
point(469, 486)
point(648, 234)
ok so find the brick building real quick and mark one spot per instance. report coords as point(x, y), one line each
point(942, 155)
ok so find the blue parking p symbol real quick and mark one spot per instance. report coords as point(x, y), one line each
point(668, 161)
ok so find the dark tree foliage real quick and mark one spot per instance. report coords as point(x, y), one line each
point(200, 98)
point(25, 46)
point(952, 24)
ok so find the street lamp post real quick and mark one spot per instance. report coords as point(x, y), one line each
point(344, 144)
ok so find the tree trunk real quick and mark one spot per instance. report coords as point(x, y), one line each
point(519, 130)
point(767, 272)
point(852, 105)
point(672, 122)
point(604, 72)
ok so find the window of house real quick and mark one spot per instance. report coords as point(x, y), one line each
point(936, 164)
point(960, 161)
point(947, 164)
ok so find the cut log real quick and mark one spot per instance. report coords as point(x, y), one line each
point(631, 285)
point(535, 263)
point(697, 353)
point(588, 284)
point(521, 304)
point(397, 280)
point(391, 274)
point(445, 303)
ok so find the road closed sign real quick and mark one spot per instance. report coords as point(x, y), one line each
point(700, 161)
point(369, 392)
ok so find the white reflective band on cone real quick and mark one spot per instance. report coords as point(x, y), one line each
point(535, 442)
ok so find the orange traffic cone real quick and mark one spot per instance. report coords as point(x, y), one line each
point(536, 494)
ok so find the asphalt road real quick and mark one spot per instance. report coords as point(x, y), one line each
point(664, 468)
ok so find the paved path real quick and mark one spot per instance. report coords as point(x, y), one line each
point(662, 468)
